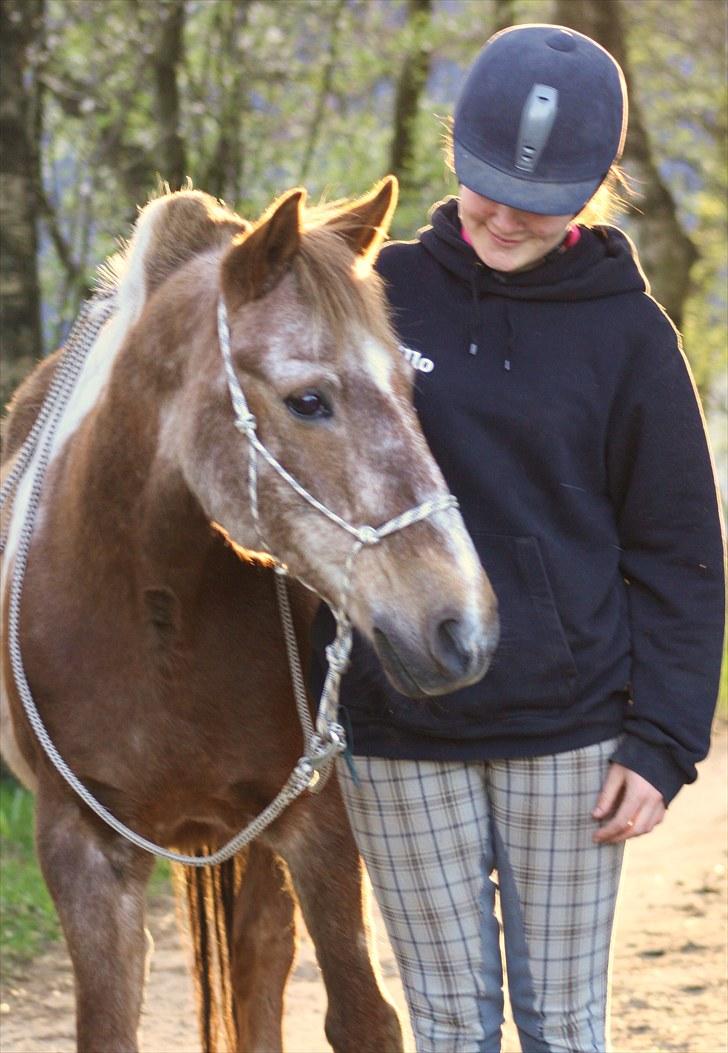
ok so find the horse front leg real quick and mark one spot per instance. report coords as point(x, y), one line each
point(327, 874)
point(263, 949)
point(97, 881)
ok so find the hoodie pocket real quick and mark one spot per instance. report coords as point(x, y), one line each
point(533, 665)
point(533, 670)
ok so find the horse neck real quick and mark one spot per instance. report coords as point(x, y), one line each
point(132, 497)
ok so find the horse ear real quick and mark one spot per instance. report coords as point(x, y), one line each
point(365, 223)
point(258, 258)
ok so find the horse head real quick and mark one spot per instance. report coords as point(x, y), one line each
point(312, 349)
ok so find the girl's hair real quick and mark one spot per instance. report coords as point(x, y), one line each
point(609, 200)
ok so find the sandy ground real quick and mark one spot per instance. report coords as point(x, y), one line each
point(670, 966)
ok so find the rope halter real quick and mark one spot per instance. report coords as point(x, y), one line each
point(338, 652)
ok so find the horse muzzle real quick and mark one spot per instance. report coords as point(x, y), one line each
point(454, 651)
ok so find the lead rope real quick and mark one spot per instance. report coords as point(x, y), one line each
point(92, 317)
point(323, 741)
point(329, 737)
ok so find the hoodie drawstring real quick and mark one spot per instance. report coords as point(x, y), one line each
point(511, 337)
point(475, 318)
point(476, 324)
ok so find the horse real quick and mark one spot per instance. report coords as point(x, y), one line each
point(149, 627)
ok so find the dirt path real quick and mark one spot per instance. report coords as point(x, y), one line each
point(670, 965)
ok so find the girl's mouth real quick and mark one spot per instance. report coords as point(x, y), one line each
point(506, 242)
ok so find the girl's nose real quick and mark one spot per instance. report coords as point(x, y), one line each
point(507, 219)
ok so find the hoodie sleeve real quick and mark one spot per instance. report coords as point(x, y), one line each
point(663, 488)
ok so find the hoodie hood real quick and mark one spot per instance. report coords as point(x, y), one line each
point(602, 263)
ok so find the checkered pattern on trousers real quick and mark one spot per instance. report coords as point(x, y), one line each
point(432, 833)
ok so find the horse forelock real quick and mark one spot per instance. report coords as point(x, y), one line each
point(338, 292)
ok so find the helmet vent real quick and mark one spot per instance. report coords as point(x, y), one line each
point(537, 120)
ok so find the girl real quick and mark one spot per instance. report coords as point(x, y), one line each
point(555, 396)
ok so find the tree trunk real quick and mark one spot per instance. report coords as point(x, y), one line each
point(327, 76)
point(504, 15)
point(666, 251)
point(172, 162)
point(222, 174)
point(410, 87)
point(21, 36)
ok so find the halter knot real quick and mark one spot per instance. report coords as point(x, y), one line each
point(246, 424)
point(337, 654)
point(368, 535)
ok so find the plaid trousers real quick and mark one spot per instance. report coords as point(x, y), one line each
point(432, 834)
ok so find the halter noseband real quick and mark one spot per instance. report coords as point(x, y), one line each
point(338, 652)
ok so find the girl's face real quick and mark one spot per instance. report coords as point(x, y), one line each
point(506, 238)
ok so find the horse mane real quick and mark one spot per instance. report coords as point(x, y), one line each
point(173, 228)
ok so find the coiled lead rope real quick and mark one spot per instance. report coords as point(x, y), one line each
point(93, 316)
point(321, 743)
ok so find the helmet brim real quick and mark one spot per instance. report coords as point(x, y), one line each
point(528, 195)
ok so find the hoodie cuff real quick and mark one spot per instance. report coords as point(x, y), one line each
point(654, 763)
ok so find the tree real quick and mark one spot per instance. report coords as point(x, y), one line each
point(221, 165)
point(410, 87)
point(327, 75)
point(21, 37)
point(250, 97)
point(666, 250)
point(166, 59)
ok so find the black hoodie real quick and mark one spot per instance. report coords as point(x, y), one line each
point(562, 413)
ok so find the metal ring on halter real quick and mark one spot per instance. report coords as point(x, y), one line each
point(322, 752)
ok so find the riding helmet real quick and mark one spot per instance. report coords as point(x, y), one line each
point(540, 119)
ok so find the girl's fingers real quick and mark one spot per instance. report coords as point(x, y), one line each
point(637, 815)
point(628, 806)
point(620, 826)
point(611, 789)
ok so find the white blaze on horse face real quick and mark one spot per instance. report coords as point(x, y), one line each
point(448, 543)
point(98, 365)
point(378, 363)
point(293, 353)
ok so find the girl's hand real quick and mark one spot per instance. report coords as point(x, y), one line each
point(628, 806)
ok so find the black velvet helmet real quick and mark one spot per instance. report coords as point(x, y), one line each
point(540, 119)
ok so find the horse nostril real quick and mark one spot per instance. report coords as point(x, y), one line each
point(453, 647)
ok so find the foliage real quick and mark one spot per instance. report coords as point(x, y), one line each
point(28, 917)
point(29, 920)
point(680, 76)
point(277, 92)
point(722, 710)
point(265, 94)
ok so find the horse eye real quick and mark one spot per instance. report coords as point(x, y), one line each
point(310, 405)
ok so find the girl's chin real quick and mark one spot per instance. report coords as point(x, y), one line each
point(504, 259)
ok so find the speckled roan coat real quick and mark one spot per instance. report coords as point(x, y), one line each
point(150, 633)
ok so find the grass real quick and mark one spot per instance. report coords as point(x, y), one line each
point(28, 920)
